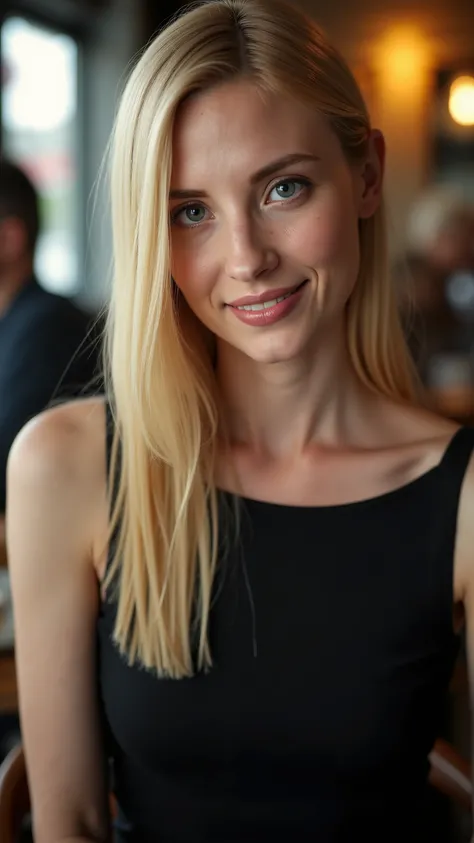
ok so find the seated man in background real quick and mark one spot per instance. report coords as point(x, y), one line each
point(46, 348)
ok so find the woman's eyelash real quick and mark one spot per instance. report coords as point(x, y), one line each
point(178, 211)
point(302, 181)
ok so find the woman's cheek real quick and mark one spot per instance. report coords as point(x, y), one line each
point(319, 239)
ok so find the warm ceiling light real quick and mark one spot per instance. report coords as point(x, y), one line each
point(402, 53)
point(461, 100)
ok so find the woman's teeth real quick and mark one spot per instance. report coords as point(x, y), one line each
point(266, 304)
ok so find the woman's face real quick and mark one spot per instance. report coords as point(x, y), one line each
point(264, 219)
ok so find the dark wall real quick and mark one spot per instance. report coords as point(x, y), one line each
point(82, 14)
point(75, 15)
point(158, 12)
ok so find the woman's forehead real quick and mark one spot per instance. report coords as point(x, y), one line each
point(234, 125)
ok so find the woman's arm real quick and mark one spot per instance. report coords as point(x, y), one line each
point(464, 576)
point(56, 494)
point(3, 550)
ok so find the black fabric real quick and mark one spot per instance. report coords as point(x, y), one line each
point(333, 648)
point(46, 353)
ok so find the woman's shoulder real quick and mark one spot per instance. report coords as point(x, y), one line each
point(412, 441)
point(64, 441)
point(451, 442)
point(419, 428)
point(56, 475)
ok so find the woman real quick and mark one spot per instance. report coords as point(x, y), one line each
point(275, 628)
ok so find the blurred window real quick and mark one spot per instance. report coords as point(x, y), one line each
point(40, 132)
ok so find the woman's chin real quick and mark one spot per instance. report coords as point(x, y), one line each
point(272, 350)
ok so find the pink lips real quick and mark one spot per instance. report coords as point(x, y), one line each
point(268, 295)
point(268, 315)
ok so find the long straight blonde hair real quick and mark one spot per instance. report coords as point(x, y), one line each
point(160, 380)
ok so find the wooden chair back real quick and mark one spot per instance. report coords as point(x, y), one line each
point(450, 774)
point(14, 796)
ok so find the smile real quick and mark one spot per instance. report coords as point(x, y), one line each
point(266, 304)
point(262, 314)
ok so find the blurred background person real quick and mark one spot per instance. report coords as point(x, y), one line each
point(48, 348)
point(439, 302)
point(46, 345)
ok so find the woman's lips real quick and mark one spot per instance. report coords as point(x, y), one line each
point(267, 308)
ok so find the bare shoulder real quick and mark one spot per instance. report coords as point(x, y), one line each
point(403, 442)
point(56, 474)
point(421, 423)
point(417, 429)
point(61, 441)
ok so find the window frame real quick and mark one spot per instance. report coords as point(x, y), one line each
point(34, 13)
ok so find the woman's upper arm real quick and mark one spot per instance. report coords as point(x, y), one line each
point(464, 574)
point(53, 494)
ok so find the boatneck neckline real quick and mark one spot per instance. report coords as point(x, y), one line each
point(374, 500)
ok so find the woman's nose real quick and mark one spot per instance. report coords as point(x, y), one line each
point(248, 253)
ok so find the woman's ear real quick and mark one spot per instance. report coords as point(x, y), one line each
point(372, 172)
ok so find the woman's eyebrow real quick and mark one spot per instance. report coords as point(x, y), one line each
point(264, 172)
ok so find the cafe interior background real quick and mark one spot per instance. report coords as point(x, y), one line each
point(62, 65)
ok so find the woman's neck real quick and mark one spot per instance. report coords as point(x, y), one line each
point(279, 408)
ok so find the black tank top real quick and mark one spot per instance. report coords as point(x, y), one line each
point(333, 646)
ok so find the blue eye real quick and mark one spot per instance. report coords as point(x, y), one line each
point(190, 215)
point(287, 189)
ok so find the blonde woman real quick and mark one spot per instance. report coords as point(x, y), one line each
point(252, 612)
